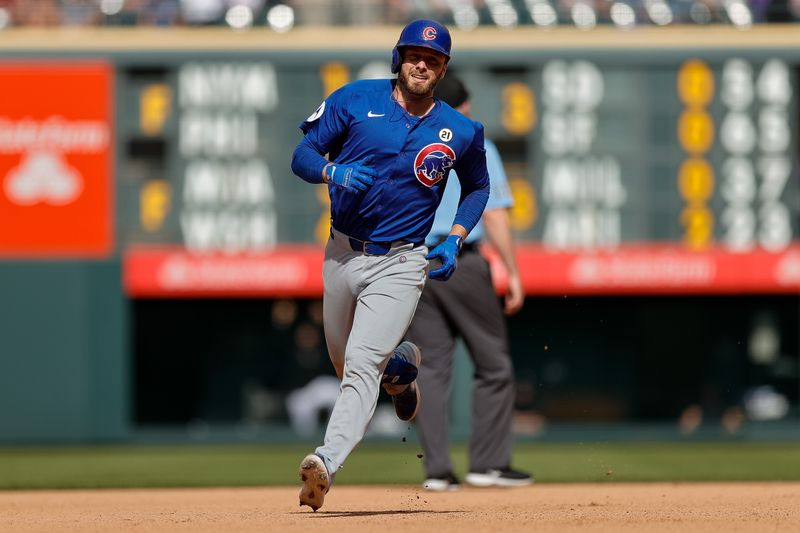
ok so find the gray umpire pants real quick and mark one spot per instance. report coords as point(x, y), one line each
point(465, 306)
point(367, 306)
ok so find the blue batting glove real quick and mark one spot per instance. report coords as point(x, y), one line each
point(447, 252)
point(355, 177)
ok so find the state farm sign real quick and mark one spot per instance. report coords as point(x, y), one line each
point(55, 159)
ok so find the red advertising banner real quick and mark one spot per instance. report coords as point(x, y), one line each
point(296, 271)
point(288, 271)
point(55, 159)
point(654, 269)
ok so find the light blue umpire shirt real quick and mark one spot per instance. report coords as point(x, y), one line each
point(499, 197)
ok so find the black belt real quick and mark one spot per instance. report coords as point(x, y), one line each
point(372, 247)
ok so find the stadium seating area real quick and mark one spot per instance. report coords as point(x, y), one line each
point(283, 15)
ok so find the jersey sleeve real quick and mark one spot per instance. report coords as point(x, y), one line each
point(471, 166)
point(474, 180)
point(499, 195)
point(329, 123)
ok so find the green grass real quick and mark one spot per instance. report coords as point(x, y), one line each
point(198, 466)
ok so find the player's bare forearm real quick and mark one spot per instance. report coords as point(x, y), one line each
point(459, 230)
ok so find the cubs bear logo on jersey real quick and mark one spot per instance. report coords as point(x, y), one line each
point(433, 162)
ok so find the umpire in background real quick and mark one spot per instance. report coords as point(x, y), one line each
point(467, 306)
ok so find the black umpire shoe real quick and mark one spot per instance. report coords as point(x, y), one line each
point(499, 477)
point(405, 396)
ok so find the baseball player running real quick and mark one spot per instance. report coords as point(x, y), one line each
point(390, 147)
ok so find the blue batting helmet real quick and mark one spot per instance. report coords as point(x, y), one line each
point(425, 33)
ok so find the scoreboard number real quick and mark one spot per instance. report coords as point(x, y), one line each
point(757, 150)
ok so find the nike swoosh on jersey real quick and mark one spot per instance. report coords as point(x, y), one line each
point(370, 114)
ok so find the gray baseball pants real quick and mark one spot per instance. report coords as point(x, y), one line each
point(367, 306)
point(465, 306)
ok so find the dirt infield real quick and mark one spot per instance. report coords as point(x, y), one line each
point(546, 507)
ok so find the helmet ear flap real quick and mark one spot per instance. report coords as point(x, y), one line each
point(396, 60)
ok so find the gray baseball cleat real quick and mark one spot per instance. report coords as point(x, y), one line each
point(316, 481)
point(405, 395)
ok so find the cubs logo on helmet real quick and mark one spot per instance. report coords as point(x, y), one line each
point(429, 33)
point(433, 162)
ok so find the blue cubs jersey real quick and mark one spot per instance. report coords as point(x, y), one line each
point(413, 157)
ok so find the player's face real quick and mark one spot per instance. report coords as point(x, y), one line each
point(421, 70)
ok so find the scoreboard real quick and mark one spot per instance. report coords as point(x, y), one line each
point(662, 173)
point(665, 177)
point(699, 153)
point(662, 161)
